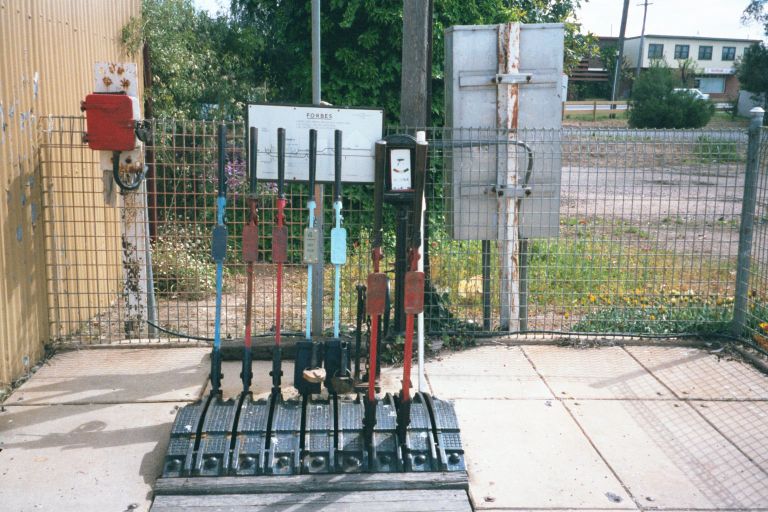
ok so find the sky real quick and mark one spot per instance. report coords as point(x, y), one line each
point(705, 18)
point(212, 6)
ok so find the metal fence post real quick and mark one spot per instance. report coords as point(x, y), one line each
point(747, 222)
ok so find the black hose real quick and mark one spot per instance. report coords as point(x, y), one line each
point(203, 338)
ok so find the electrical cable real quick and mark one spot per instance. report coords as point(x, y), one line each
point(116, 175)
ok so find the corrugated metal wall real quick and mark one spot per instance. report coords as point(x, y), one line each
point(47, 52)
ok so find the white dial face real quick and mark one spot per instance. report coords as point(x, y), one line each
point(400, 169)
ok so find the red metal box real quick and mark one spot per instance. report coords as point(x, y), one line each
point(110, 122)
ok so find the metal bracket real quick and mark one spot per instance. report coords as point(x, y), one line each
point(513, 78)
point(516, 191)
point(484, 80)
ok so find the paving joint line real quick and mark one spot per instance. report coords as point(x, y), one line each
point(689, 403)
point(624, 486)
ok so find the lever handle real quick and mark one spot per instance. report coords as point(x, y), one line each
point(337, 166)
point(253, 146)
point(222, 160)
point(281, 163)
point(312, 162)
point(378, 191)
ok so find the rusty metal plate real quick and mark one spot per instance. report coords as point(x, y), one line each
point(414, 292)
point(279, 244)
point(376, 296)
point(250, 243)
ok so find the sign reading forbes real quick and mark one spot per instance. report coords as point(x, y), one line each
point(361, 129)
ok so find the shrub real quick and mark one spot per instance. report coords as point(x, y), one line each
point(655, 103)
point(181, 263)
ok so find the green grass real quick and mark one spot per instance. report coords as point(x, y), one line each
point(586, 280)
point(659, 319)
point(707, 149)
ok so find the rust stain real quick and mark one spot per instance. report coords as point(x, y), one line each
point(125, 83)
point(120, 70)
point(514, 65)
point(106, 81)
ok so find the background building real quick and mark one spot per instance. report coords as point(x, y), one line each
point(714, 59)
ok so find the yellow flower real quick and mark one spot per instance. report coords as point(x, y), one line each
point(652, 317)
point(592, 298)
point(763, 326)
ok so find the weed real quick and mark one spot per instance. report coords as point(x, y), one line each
point(708, 149)
point(182, 265)
point(659, 319)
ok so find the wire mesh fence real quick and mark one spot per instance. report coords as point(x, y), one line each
point(624, 232)
point(756, 328)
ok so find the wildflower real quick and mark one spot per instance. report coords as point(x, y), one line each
point(592, 298)
point(652, 317)
point(764, 326)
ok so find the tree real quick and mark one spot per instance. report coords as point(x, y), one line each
point(361, 44)
point(655, 103)
point(755, 11)
point(688, 71)
point(752, 71)
point(201, 66)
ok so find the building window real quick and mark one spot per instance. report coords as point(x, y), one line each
point(711, 84)
point(655, 51)
point(729, 52)
point(705, 53)
point(681, 51)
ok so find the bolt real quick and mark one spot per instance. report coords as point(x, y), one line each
point(248, 461)
point(454, 458)
point(175, 463)
point(282, 461)
point(385, 459)
point(211, 462)
point(420, 459)
point(318, 462)
point(353, 461)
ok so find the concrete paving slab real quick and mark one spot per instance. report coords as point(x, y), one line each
point(82, 457)
point(532, 455)
point(607, 372)
point(669, 457)
point(485, 372)
point(694, 373)
point(117, 375)
point(744, 423)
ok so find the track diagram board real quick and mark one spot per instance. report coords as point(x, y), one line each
point(361, 129)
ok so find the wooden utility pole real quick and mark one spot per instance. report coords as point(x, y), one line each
point(620, 55)
point(642, 39)
point(416, 75)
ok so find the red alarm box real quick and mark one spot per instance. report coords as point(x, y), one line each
point(110, 121)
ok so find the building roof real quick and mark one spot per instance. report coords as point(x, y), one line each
point(729, 39)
